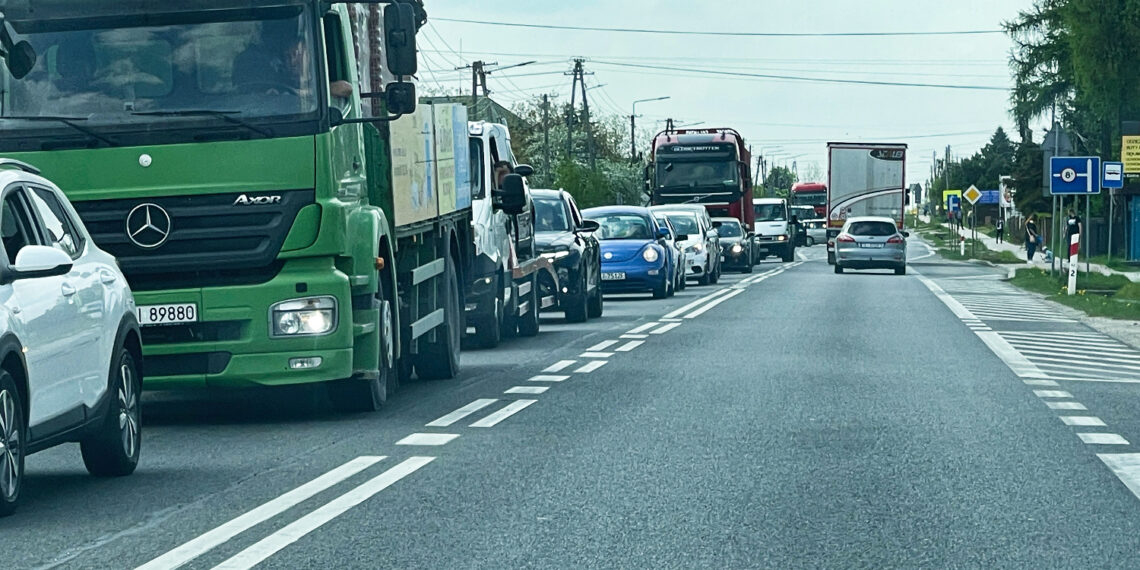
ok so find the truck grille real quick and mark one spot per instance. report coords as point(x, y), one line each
point(209, 240)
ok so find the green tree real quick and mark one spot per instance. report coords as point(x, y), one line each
point(779, 182)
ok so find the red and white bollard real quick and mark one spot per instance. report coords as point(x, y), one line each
point(1074, 248)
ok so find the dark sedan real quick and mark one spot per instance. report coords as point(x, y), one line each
point(564, 237)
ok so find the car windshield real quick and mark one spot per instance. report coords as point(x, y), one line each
point(136, 72)
point(871, 229)
point(623, 226)
point(685, 224)
point(551, 215)
point(729, 229)
point(672, 174)
point(770, 212)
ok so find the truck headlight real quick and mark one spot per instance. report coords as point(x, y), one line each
point(310, 316)
point(737, 248)
point(650, 254)
point(784, 237)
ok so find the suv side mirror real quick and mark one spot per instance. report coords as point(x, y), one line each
point(400, 38)
point(400, 97)
point(589, 226)
point(524, 170)
point(41, 261)
point(512, 196)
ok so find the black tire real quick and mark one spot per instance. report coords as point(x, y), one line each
point(368, 393)
point(439, 360)
point(838, 268)
point(683, 282)
point(13, 434)
point(528, 321)
point(575, 309)
point(831, 258)
point(714, 277)
point(489, 328)
point(809, 242)
point(704, 279)
point(748, 264)
point(661, 290)
point(597, 302)
point(112, 450)
point(789, 254)
point(900, 270)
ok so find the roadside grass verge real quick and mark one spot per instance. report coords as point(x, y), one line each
point(1116, 263)
point(1112, 296)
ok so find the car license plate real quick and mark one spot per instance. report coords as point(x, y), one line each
point(871, 245)
point(618, 276)
point(167, 314)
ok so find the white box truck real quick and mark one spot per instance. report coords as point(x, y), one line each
point(864, 179)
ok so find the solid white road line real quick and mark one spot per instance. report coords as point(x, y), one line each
point(1059, 346)
point(639, 329)
point(1040, 383)
point(670, 320)
point(527, 390)
point(222, 534)
point(1017, 362)
point(559, 366)
point(272, 544)
point(507, 411)
point(629, 345)
point(1087, 421)
point(590, 367)
point(548, 378)
point(705, 299)
point(1126, 467)
point(1065, 406)
point(1052, 394)
point(602, 345)
point(1084, 364)
point(666, 328)
point(955, 307)
point(1091, 355)
point(710, 306)
point(462, 412)
point(1102, 438)
point(428, 439)
point(595, 355)
point(634, 336)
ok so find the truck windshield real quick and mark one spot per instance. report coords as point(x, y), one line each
point(770, 213)
point(816, 198)
point(688, 174)
point(145, 73)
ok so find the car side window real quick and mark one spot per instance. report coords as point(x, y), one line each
point(16, 227)
point(59, 229)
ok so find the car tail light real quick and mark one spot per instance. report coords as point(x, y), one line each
point(845, 238)
point(895, 239)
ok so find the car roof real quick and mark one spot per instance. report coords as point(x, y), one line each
point(678, 208)
point(871, 219)
point(619, 210)
point(768, 200)
point(726, 219)
point(545, 193)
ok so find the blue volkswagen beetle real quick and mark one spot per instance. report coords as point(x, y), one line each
point(634, 258)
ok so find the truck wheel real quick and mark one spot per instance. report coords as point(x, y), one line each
point(576, 306)
point(489, 329)
point(439, 360)
point(789, 254)
point(113, 449)
point(596, 302)
point(12, 435)
point(369, 392)
point(528, 322)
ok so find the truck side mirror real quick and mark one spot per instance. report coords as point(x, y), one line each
point(512, 196)
point(19, 56)
point(400, 97)
point(524, 170)
point(400, 39)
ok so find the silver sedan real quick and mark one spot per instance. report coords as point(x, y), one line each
point(871, 243)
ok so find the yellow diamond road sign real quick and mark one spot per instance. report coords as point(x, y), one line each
point(972, 194)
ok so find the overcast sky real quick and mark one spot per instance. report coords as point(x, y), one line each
point(788, 120)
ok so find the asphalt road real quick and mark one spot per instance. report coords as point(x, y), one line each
point(791, 418)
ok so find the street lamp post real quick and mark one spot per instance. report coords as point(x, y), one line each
point(633, 126)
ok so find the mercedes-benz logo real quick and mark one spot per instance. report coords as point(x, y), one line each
point(148, 225)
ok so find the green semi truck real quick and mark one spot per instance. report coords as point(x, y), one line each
point(283, 210)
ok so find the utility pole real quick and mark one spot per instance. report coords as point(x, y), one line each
point(577, 73)
point(589, 126)
point(633, 126)
point(478, 79)
point(548, 173)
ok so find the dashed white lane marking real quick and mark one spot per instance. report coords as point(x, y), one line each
point(709, 306)
point(1052, 394)
point(595, 355)
point(666, 328)
point(462, 412)
point(639, 329)
point(1065, 406)
point(630, 345)
point(602, 345)
point(272, 544)
point(690, 306)
point(548, 378)
point(559, 366)
point(634, 336)
point(1126, 467)
point(222, 534)
point(1087, 421)
point(1032, 382)
point(1102, 438)
point(428, 439)
point(527, 390)
point(507, 411)
point(590, 367)
point(670, 320)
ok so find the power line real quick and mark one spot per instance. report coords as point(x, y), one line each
point(800, 78)
point(797, 61)
point(731, 34)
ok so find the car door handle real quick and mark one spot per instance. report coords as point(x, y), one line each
point(107, 277)
point(67, 289)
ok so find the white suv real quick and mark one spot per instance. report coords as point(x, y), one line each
point(70, 349)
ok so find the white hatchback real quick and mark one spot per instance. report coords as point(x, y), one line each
point(70, 349)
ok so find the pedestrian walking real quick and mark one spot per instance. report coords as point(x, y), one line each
point(1075, 226)
point(1031, 239)
point(1000, 230)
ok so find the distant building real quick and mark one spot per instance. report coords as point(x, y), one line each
point(486, 109)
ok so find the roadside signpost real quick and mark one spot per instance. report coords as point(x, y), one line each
point(1112, 179)
point(973, 195)
point(1130, 153)
point(1075, 176)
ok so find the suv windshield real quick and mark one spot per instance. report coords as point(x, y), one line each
point(239, 65)
point(770, 213)
point(551, 216)
point(872, 229)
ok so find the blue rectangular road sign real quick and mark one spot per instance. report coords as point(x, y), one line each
point(990, 197)
point(1074, 175)
point(1113, 175)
